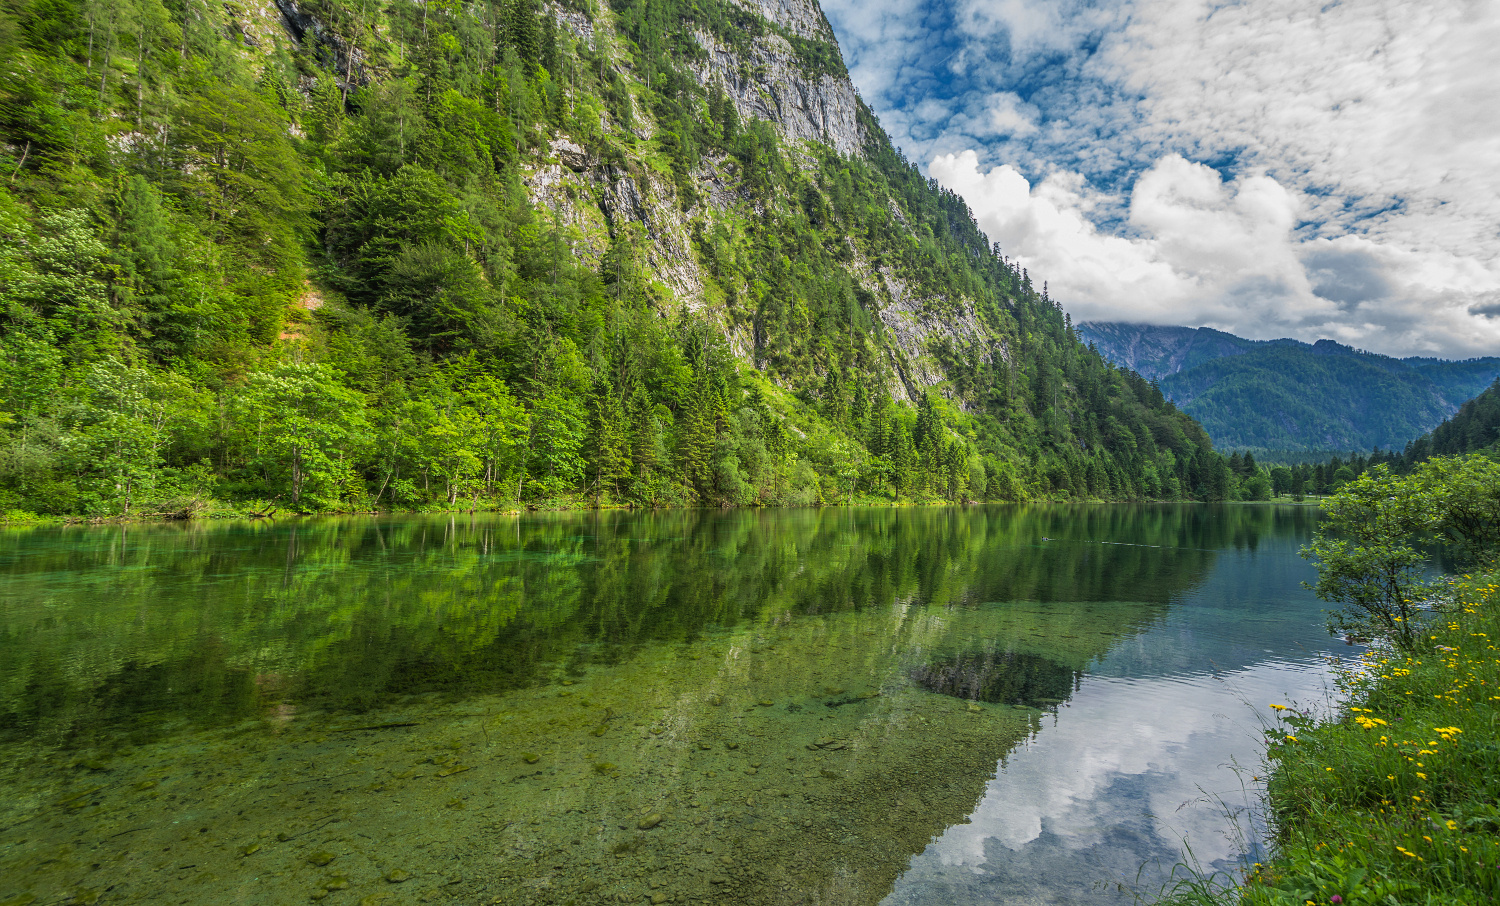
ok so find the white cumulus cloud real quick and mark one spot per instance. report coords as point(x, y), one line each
point(1202, 251)
point(1268, 167)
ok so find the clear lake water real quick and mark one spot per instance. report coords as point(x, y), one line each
point(986, 705)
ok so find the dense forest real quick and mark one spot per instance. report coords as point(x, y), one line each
point(1286, 399)
point(1475, 428)
point(299, 256)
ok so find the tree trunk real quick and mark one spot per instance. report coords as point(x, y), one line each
point(296, 475)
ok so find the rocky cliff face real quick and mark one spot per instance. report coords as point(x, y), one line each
point(804, 18)
point(767, 80)
point(1157, 352)
point(770, 85)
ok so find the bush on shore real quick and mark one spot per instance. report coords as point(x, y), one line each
point(1395, 799)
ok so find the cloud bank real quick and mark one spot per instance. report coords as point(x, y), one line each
point(1267, 167)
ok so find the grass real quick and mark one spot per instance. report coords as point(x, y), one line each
point(1396, 799)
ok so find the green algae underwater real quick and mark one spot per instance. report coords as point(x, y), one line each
point(747, 707)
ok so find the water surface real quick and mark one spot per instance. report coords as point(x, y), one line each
point(918, 705)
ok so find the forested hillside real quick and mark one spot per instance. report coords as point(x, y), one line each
point(352, 254)
point(1475, 428)
point(1282, 396)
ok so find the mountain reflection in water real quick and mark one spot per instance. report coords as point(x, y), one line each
point(736, 706)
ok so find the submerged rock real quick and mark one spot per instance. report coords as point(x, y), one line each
point(1000, 677)
point(321, 858)
point(648, 822)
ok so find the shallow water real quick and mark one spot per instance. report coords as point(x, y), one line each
point(1000, 704)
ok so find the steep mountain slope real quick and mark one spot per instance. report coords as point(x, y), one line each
point(343, 254)
point(1287, 396)
point(1158, 352)
point(1475, 428)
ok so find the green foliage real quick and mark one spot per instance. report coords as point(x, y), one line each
point(328, 273)
point(302, 431)
point(1287, 397)
point(1392, 799)
point(1367, 558)
point(1368, 548)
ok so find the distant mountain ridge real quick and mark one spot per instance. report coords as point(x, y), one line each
point(1288, 396)
point(1475, 428)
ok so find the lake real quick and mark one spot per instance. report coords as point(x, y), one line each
point(1003, 704)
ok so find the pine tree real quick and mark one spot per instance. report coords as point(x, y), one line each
point(523, 30)
point(146, 256)
point(902, 459)
point(610, 447)
point(695, 442)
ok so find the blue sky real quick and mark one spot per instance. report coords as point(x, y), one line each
point(1268, 167)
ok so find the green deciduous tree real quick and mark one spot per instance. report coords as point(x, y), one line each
point(559, 427)
point(304, 430)
point(1368, 549)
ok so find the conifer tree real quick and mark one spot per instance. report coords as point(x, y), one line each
point(523, 30)
point(610, 442)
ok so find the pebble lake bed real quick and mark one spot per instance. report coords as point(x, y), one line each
point(752, 707)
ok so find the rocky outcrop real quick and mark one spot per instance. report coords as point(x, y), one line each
point(573, 21)
point(767, 80)
point(802, 18)
point(771, 85)
point(913, 325)
point(333, 50)
point(598, 201)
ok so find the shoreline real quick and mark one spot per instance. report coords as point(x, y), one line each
point(23, 520)
point(1393, 794)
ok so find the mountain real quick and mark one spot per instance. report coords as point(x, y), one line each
point(328, 255)
point(1475, 428)
point(1285, 396)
